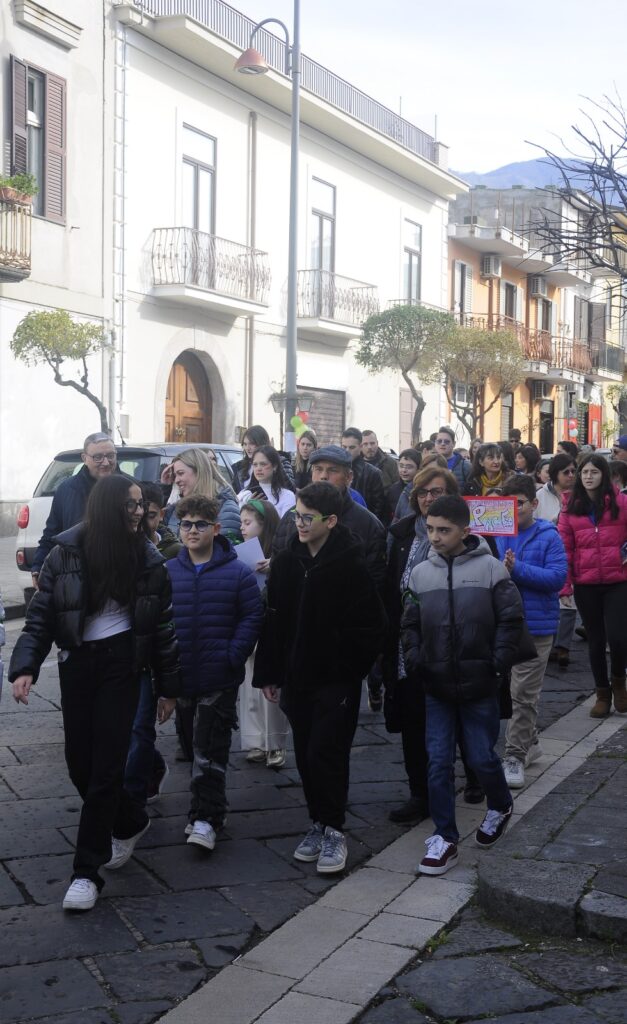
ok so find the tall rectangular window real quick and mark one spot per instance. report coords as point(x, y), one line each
point(412, 255)
point(509, 295)
point(38, 134)
point(199, 167)
point(322, 225)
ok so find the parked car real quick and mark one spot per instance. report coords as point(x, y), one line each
point(143, 462)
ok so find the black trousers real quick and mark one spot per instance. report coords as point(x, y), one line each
point(602, 607)
point(99, 695)
point(411, 699)
point(323, 721)
point(205, 728)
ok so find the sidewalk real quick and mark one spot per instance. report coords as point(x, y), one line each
point(165, 940)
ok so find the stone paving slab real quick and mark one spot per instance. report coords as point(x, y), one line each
point(185, 867)
point(151, 973)
point(241, 996)
point(296, 1007)
point(399, 930)
point(187, 915)
point(46, 878)
point(37, 990)
point(269, 904)
point(33, 934)
point(356, 971)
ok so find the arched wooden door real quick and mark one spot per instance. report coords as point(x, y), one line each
point(188, 402)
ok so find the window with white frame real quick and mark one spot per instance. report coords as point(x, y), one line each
point(412, 260)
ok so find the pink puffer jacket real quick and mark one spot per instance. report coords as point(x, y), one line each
point(594, 551)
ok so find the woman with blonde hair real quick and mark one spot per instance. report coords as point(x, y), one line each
point(306, 444)
point(194, 472)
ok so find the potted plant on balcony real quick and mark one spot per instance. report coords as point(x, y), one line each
point(19, 188)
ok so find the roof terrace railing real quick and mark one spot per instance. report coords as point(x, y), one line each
point(235, 27)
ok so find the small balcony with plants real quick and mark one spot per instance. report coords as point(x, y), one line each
point(16, 215)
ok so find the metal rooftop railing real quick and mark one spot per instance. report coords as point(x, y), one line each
point(235, 27)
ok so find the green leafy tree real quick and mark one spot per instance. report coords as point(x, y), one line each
point(472, 357)
point(406, 339)
point(54, 338)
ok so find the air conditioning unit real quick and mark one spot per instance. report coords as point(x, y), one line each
point(537, 287)
point(490, 266)
point(541, 390)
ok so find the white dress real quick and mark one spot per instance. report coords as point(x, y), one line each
point(285, 502)
point(262, 725)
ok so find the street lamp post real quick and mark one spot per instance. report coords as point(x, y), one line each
point(252, 62)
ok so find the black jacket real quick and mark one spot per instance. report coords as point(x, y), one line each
point(57, 614)
point(368, 481)
point(365, 528)
point(462, 623)
point(387, 466)
point(325, 623)
point(67, 509)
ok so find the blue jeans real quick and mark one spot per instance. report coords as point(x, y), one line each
point(478, 722)
point(143, 759)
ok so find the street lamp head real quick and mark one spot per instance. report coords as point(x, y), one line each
point(252, 62)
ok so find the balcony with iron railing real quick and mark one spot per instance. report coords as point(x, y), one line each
point(535, 343)
point(608, 361)
point(331, 304)
point(194, 267)
point(570, 354)
point(15, 240)
point(235, 28)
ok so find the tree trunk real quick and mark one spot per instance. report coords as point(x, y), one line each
point(416, 426)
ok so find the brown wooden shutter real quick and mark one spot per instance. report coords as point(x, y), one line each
point(597, 322)
point(19, 85)
point(55, 128)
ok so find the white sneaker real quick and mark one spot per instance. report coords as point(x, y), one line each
point(122, 849)
point(514, 772)
point(202, 834)
point(534, 753)
point(275, 759)
point(256, 755)
point(81, 895)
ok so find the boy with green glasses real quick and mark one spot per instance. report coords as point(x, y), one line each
point(323, 632)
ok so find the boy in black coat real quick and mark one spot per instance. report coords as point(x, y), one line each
point(324, 629)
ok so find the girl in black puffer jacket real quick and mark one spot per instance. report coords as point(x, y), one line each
point(104, 599)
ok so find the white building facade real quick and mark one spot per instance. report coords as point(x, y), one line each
point(204, 229)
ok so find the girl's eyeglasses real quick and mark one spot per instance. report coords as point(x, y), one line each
point(132, 506)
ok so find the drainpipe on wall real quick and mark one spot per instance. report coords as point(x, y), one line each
point(249, 357)
point(118, 334)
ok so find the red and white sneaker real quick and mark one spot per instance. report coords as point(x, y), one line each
point(440, 856)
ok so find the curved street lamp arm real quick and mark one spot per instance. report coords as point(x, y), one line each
point(288, 48)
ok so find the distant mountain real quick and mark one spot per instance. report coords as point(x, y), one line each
point(528, 173)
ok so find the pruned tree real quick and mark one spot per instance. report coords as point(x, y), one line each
point(592, 178)
point(53, 338)
point(471, 357)
point(406, 338)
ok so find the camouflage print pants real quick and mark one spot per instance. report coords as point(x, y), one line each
point(206, 724)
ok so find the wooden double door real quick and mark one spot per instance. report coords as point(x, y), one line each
point(188, 402)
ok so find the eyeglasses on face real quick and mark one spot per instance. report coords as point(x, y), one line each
point(100, 458)
point(444, 440)
point(569, 472)
point(430, 492)
point(201, 525)
point(307, 519)
point(132, 506)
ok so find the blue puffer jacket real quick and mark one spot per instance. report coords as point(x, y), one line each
point(218, 615)
point(539, 573)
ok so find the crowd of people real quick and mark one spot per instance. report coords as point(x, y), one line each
point(366, 568)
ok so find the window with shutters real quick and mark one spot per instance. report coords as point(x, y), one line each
point(462, 290)
point(38, 135)
point(507, 413)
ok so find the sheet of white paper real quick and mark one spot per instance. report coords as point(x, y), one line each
point(251, 552)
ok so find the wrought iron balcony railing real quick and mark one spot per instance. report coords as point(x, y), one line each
point(327, 296)
point(535, 344)
point(15, 240)
point(569, 354)
point(228, 23)
point(185, 256)
point(608, 357)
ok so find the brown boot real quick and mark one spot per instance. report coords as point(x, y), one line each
point(620, 694)
point(604, 703)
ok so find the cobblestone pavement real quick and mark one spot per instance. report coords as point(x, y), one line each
point(477, 971)
point(173, 917)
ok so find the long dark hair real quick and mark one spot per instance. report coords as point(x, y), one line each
point(579, 504)
point(113, 553)
point(482, 452)
point(259, 437)
point(279, 480)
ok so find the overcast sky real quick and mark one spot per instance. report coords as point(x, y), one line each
point(496, 73)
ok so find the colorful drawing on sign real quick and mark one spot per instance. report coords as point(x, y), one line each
point(496, 517)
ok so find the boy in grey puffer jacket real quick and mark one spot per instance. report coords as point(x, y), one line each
point(460, 633)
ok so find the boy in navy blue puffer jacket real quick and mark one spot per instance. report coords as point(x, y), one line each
point(536, 561)
point(218, 613)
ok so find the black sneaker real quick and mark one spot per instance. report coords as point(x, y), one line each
point(473, 793)
point(375, 700)
point(492, 827)
point(413, 810)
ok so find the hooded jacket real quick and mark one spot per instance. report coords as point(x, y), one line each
point(218, 613)
point(593, 548)
point(326, 623)
point(539, 573)
point(58, 609)
point(461, 624)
